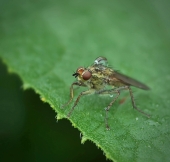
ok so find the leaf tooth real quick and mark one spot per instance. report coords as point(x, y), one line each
point(26, 86)
point(83, 139)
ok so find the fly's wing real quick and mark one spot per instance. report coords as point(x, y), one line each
point(100, 61)
point(130, 81)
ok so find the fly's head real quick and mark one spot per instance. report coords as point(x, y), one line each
point(82, 74)
point(92, 76)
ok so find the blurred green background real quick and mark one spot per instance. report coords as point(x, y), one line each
point(29, 131)
point(28, 128)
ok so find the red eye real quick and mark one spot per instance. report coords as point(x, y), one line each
point(86, 75)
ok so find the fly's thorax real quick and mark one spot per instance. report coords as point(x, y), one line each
point(96, 81)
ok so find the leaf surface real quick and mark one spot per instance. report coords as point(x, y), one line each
point(45, 41)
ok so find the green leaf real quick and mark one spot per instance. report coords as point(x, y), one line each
point(45, 41)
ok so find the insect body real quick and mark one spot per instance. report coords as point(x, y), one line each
point(97, 77)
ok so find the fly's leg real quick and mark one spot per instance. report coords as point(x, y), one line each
point(108, 108)
point(78, 98)
point(71, 93)
point(134, 105)
point(111, 103)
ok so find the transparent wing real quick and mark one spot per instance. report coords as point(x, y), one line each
point(100, 60)
point(130, 81)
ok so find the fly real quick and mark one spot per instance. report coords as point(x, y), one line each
point(99, 75)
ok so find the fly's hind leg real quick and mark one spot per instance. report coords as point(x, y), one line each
point(78, 98)
point(133, 103)
point(111, 91)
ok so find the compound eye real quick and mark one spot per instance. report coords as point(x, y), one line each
point(86, 75)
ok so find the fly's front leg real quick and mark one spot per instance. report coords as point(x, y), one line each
point(72, 93)
point(78, 98)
